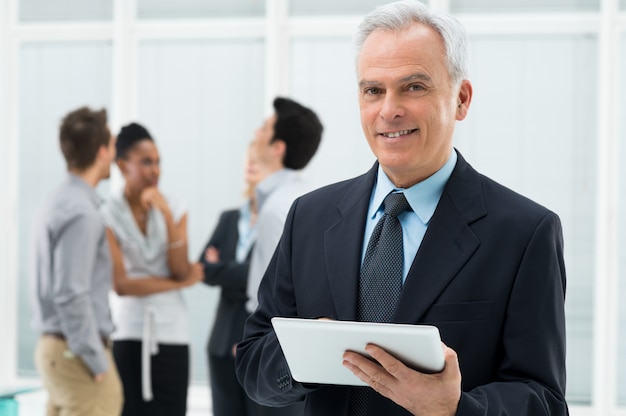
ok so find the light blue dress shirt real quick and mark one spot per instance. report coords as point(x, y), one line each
point(275, 194)
point(247, 233)
point(423, 198)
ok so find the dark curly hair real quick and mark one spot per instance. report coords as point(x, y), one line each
point(128, 136)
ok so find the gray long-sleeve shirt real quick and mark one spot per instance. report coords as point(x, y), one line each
point(71, 271)
point(275, 194)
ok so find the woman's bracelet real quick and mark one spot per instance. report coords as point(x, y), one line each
point(176, 244)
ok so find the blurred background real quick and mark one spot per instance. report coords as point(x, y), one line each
point(548, 119)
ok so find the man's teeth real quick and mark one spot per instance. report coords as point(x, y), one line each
point(397, 133)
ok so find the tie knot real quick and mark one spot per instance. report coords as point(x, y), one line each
point(395, 204)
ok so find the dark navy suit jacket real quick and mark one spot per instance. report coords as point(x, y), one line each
point(489, 274)
point(232, 277)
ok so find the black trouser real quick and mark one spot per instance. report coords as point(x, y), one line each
point(229, 398)
point(170, 379)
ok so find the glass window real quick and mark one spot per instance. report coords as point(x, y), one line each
point(531, 127)
point(168, 9)
point(323, 77)
point(202, 102)
point(60, 10)
point(333, 7)
point(499, 6)
point(76, 74)
point(621, 369)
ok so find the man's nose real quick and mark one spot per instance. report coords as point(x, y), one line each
point(392, 107)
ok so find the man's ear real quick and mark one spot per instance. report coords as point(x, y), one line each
point(464, 99)
point(103, 153)
point(280, 148)
point(102, 150)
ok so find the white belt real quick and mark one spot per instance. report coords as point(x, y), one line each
point(149, 347)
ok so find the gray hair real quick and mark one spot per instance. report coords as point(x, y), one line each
point(400, 15)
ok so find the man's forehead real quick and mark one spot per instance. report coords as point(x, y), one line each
point(400, 58)
point(415, 38)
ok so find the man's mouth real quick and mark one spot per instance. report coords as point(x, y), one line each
point(394, 134)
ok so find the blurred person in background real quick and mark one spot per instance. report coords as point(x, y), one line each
point(226, 258)
point(71, 277)
point(284, 145)
point(148, 239)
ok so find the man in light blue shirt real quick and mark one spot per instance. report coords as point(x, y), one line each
point(284, 145)
point(478, 261)
point(71, 277)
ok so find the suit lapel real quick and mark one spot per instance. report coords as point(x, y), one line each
point(447, 245)
point(343, 243)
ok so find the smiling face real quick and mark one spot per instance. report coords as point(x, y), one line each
point(140, 166)
point(408, 104)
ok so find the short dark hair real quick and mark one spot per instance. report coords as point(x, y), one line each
point(128, 136)
point(82, 133)
point(300, 129)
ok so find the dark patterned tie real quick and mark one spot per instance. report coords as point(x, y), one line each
point(380, 281)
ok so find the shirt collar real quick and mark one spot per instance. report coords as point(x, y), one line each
point(80, 183)
point(423, 196)
point(271, 183)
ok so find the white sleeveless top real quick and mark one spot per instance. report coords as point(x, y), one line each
point(152, 319)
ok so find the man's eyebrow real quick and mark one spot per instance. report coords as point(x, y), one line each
point(416, 77)
point(413, 77)
point(366, 83)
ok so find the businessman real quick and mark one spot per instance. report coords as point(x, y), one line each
point(71, 277)
point(283, 145)
point(421, 238)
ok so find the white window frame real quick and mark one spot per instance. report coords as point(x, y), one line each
point(278, 28)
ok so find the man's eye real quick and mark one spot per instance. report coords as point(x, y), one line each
point(372, 91)
point(416, 87)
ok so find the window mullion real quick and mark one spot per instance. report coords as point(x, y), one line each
point(604, 387)
point(276, 50)
point(8, 173)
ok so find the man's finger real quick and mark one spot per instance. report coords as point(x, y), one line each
point(393, 366)
point(369, 371)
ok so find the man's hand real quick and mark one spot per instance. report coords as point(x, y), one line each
point(99, 378)
point(419, 393)
point(212, 255)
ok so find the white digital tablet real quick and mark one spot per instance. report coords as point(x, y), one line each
point(314, 348)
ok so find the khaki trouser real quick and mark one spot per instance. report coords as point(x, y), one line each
point(71, 388)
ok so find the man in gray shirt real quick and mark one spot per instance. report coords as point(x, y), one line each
point(284, 144)
point(71, 277)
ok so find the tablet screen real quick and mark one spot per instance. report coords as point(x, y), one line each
point(314, 348)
